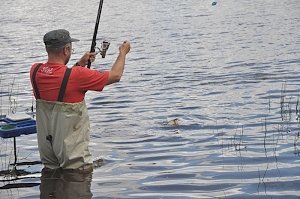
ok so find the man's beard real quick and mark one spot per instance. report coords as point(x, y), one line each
point(67, 60)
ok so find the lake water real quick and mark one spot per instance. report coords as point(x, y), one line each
point(208, 106)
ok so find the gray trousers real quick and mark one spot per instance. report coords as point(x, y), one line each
point(63, 131)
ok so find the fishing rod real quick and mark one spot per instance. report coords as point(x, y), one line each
point(105, 44)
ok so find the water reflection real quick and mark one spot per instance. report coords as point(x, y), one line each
point(65, 184)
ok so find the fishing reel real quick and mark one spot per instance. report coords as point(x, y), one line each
point(103, 49)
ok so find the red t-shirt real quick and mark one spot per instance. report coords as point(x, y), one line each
point(49, 78)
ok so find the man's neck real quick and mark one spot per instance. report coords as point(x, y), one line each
point(56, 60)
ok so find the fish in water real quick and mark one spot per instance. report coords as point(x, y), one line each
point(174, 122)
point(214, 3)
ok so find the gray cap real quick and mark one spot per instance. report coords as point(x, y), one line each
point(58, 38)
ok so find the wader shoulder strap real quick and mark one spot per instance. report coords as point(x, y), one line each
point(64, 85)
point(36, 90)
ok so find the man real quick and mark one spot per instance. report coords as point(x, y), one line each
point(61, 114)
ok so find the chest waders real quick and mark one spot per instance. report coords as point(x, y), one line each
point(63, 130)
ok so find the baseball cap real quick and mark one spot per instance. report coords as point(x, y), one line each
point(58, 38)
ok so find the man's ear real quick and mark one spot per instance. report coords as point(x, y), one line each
point(66, 50)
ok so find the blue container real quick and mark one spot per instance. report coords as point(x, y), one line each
point(9, 128)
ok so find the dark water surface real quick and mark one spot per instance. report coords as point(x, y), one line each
point(227, 74)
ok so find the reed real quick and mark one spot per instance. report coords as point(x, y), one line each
point(296, 147)
point(7, 151)
point(1, 114)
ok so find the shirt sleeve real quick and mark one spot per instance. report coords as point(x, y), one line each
point(92, 79)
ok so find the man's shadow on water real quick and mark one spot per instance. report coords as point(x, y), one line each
point(63, 184)
point(55, 183)
point(67, 184)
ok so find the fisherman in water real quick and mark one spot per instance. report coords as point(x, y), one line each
point(63, 127)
